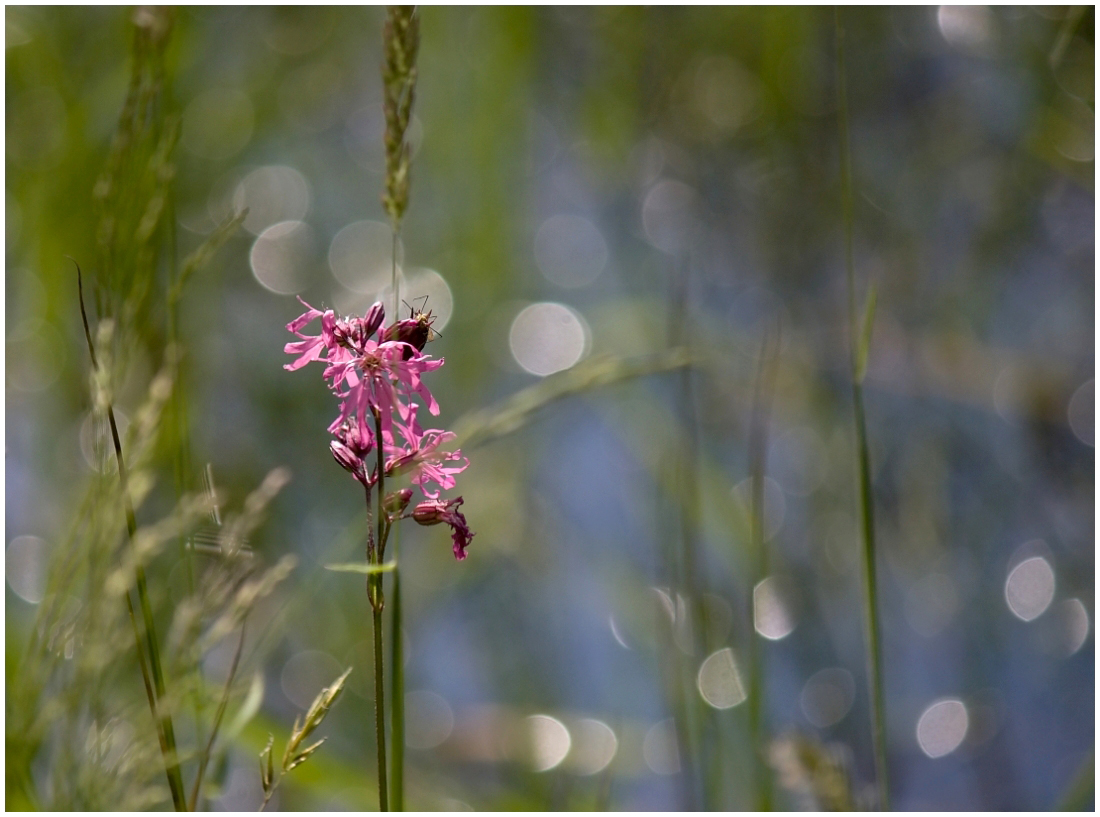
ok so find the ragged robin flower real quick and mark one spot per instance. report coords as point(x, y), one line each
point(376, 373)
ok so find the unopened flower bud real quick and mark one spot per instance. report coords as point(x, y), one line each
point(396, 502)
point(430, 512)
point(347, 458)
point(373, 319)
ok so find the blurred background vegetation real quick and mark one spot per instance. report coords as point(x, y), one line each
point(589, 187)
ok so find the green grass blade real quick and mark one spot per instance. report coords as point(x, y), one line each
point(863, 457)
point(866, 329)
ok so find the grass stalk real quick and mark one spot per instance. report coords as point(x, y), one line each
point(858, 342)
point(204, 759)
point(154, 692)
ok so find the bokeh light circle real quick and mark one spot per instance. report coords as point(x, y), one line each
point(25, 566)
point(1081, 413)
point(828, 696)
point(659, 748)
point(669, 216)
point(772, 614)
point(942, 727)
point(550, 742)
point(719, 681)
point(361, 256)
point(305, 674)
point(272, 194)
point(570, 251)
point(547, 337)
point(1029, 588)
point(429, 719)
point(594, 747)
point(282, 255)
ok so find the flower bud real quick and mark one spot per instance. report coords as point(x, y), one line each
point(434, 511)
point(430, 512)
point(347, 458)
point(396, 502)
point(373, 319)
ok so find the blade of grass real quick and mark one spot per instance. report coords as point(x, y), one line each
point(204, 758)
point(863, 457)
point(154, 694)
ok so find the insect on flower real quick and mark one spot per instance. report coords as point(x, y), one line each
point(416, 330)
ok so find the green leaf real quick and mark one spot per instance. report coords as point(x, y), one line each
point(363, 567)
point(864, 349)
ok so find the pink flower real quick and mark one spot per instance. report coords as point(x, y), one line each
point(380, 378)
point(311, 346)
point(377, 376)
point(426, 462)
point(434, 511)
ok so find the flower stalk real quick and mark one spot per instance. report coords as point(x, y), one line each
point(376, 372)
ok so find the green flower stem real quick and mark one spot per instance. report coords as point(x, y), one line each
point(374, 591)
point(863, 461)
point(397, 691)
point(379, 697)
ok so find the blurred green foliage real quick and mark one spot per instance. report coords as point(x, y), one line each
point(698, 146)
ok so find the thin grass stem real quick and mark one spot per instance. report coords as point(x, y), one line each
point(397, 690)
point(863, 457)
point(204, 759)
point(155, 692)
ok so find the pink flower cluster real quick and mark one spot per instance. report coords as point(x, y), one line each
point(377, 374)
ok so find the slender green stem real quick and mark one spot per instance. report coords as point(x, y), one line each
point(204, 760)
point(397, 690)
point(379, 703)
point(863, 457)
point(393, 271)
point(374, 584)
point(397, 659)
point(155, 692)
